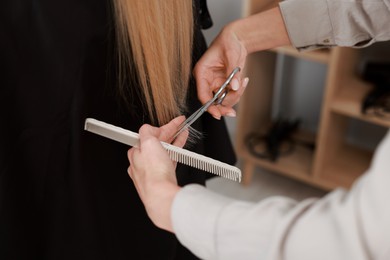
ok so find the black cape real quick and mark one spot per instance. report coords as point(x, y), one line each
point(65, 192)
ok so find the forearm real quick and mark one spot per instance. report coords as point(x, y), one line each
point(341, 225)
point(158, 204)
point(261, 31)
point(313, 24)
point(213, 226)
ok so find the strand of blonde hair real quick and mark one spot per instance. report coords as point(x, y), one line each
point(155, 36)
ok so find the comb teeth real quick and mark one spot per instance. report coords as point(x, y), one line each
point(177, 154)
point(203, 163)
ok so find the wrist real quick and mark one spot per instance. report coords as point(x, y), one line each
point(159, 202)
point(237, 29)
point(261, 31)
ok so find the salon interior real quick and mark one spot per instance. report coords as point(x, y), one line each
point(308, 122)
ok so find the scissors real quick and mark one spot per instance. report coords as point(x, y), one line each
point(217, 99)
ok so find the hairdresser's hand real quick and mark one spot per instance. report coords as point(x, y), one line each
point(153, 172)
point(257, 32)
point(224, 54)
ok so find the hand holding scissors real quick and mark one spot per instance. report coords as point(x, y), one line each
point(225, 53)
point(217, 99)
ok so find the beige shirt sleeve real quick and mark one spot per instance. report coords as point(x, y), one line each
point(354, 23)
point(342, 225)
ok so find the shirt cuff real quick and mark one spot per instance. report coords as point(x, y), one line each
point(317, 32)
point(195, 211)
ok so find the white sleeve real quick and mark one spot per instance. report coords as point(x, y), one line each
point(313, 24)
point(342, 225)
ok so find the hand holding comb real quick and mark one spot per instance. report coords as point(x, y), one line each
point(175, 153)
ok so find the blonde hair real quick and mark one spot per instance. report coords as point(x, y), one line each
point(155, 41)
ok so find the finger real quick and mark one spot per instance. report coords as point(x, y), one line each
point(181, 139)
point(204, 80)
point(205, 92)
point(147, 131)
point(214, 112)
point(130, 154)
point(200, 69)
point(169, 130)
point(156, 153)
point(235, 83)
point(130, 173)
point(233, 97)
point(227, 111)
point(214, 82)
point(235, 59)
point(238, 85)
point(133, 155)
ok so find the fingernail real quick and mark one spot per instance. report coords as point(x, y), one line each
point(245, 83)
point(231, 114)
point(217, 117)
point(235, 85)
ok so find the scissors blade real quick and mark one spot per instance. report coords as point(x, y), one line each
point(217, 98)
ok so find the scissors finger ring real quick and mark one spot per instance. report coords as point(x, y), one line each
point(221, 97)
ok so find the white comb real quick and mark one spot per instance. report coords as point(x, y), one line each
point(177, 154)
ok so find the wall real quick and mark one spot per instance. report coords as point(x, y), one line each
point(222, 12)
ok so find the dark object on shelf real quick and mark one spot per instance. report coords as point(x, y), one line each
point(376, 72)
point(277, 142)
point(377, 101)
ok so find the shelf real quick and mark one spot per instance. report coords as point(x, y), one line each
point(349, 99)
point(334, 162)
point(297, 164)
point(344, 167)
point(321, 56)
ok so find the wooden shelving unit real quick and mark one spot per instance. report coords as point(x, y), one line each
point(334, 162)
